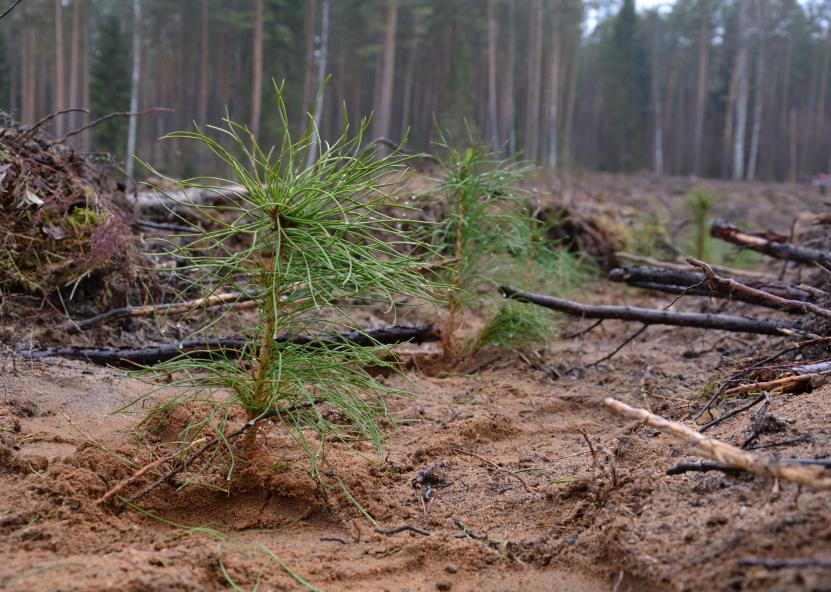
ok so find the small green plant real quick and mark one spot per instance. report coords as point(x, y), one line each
point(306, 242)
point(490, 235)
point(537, 264)
point(700, 204)
point(481, 199)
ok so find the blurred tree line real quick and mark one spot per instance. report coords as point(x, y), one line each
point(729, 88)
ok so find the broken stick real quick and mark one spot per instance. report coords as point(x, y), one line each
point(153, 309)
point(724, 453)
point(749, 292)
point(651, 316)
point(762, 243)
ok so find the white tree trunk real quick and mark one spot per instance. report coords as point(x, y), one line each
point(134, 90)
point(742, 95)
point(321, 76)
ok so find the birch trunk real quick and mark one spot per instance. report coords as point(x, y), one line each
point(134, 88)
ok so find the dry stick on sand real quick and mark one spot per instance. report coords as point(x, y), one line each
point(771, 384)
point(517, 476)
point(152, 309)
point(724, 453)
point(774, 300)
point(650, 316)
point(146, 468)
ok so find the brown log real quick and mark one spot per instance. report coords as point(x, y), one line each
point(749, 292)
point(651, 316)
point(231, 347)
point(726, 454)
point(768, 244)
point(785, 382)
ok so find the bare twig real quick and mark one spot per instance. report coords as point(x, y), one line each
point(786, 381)
point(784, 563)
point(517, 476)
point(104, 118)
point(335, 539)
point(724, 453)
point(402, 528)
point(730, 414)
point(31, 131)
point(626, 342)
point(153, 309)
point(11, 7)
point(146, 468)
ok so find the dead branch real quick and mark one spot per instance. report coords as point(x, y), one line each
point(181, 466)
point(732, 413)
point(31, 131)
point(724, 453)
point(11, 7)
point(650, 262)
point(231, 347)
point(766, 243)
point(145, 469)
point(785, 382)
point(104, 118)
point(516, 476)
point(650, 316)
point(153, 309)
point(397, 529)
point(700, 467)
point(694, 284)
point(784, 563)
point(761, 295)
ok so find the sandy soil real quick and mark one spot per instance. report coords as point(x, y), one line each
point(501, 444)
point(516, 501)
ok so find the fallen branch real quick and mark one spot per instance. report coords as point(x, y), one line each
point(517, 476)
point(762, 243)
point(32, 130)
point(784, 563)
point(694, 284)
point(649, 261)
point(153, 309)
point(231, 347)
point(650, 316)
point(732, 413)
point(787, 381)
point(762, 296)
point(700, 467)
point(724, 453)
point(397, 529)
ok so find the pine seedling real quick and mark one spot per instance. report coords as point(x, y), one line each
point(538, 265)
point(306, 242)
point(481, 198)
